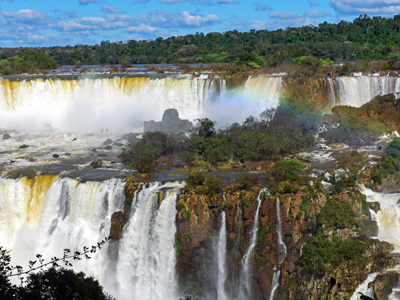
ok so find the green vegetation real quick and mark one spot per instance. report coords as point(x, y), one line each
point(287, 169)
point(365, 38)
point(27, 61)
point(322, 253)
point(390, 163)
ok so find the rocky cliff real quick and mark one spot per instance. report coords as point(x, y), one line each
point(305, 213)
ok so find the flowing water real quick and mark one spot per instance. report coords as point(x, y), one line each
point(281, 245)
point(221, 258)
point(245, 290)
point(47, 214)
point(275, 284)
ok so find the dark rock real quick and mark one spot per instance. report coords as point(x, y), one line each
point(118, 144)
point(370, 228)
point(118, 221)
point(6, 136)
point(101, 155)
point(74, 139)
point(93, 150)
point(107, 142)
point(23, 146)
point(382, 145)
point(128, 136)
point(384, 284)
point(67, 154)
point(97, 164)
point(108, 148)
point(171, 123)
point(56, 155)
point(375, 206)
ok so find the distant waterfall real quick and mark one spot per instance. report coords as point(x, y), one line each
point(47, 214)
point(244, 291)
point(356, 91)
point(222, 258)
point(331, 91)
point(275, 284)
point(100, 103)
point(281, 245)
point(363, 288)
point(264, 90)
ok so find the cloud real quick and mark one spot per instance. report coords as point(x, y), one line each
point(227, 2)
point(86, 2)
point(262, 7)
point(142, 29)
point(313, 3)
point(112, 10)
point(27, 16)
point(70, 14)
point(315, 14)
point(357, 7)
point(283, 15)
point(284, 19)
point(166, 19)
point(259, 25)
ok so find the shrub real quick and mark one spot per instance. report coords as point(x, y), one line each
point(195, 179)
point(247, 180)
point(287, 169)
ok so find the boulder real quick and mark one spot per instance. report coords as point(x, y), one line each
point(107, 142)
point(97, 164)
point(6, 136)
point(118, 221)
point(56, 155)
point(171, 123)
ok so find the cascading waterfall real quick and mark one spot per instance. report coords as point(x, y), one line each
point(222, 257)
point(110, 102)
point(281, 245)
point(47, 214)
point(244, 290)
point(331, 91)
point(356, 91)
point(363, 287)
point(147, 257)
point(264, 90)
point(275, 284)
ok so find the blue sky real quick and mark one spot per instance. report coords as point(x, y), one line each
point(71, 22)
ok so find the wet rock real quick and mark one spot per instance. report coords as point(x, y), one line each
point(337, 145)
point(382, 145)
point(108, 147)
point(6, 136)
point(384, 284)
point(56, 155)
point(107, 142)
point(118, 221)
point(375, 206)
point(101, 155)
point(128, 136)
point(93, 150)
point(171, 123)
point(23, 146)
point(97, 164)
point(370, 228)
point(67, 154)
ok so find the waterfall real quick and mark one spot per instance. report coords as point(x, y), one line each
point(222, 88)
point(387, 218)
point(147, 256)
point(275, 284)
point(112, 103)
point(222, 257)
point(47, 214)
point(363, 288)
point(244, 290)
point(264, 90)
point(281, 245)
point(356, 91)
point(331, 92)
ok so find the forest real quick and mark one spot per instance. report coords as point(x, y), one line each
point(366, 38)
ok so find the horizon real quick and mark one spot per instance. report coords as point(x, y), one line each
point(72, 22)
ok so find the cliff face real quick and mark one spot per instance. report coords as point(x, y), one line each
point(199, 221)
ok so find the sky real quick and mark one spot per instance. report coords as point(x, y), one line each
point(71, 22)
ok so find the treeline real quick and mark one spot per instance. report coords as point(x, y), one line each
point(364, 38)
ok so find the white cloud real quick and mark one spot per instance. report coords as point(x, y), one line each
point(259, 25)
point(86, 2)
point(27, 16)
point(227, 2)
point(356, 7)
point(262, 7)
point(283, 15)
point(112, 10)
point(142, 29)
point(166, 19)
point(315, 14)
point(313, 3)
